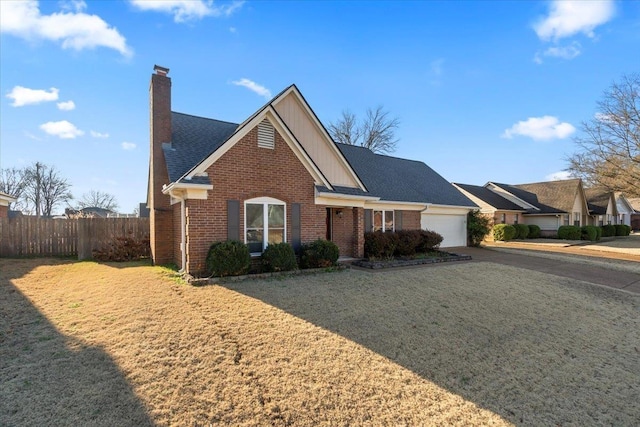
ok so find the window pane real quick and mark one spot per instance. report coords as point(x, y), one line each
point(377, 220)
point(388, 220)
point(255, 239)
point(276, 235)
point(255, 218)
point(276, 216)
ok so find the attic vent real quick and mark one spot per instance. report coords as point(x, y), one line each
point(266, 135)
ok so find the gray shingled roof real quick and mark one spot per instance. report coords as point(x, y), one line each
point(401, 180)
point(597, 200)
point(490, 197)
point(550, 197)
point(192, 140)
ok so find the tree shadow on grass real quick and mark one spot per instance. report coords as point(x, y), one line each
point(530, 360)
point(51, 379)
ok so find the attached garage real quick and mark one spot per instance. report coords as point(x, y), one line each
point(450, 223)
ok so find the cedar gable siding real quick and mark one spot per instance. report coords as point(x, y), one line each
point(245, 172)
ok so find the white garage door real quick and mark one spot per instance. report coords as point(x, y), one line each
point(453, 228)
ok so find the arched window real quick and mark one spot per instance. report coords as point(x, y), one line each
point(265, 221)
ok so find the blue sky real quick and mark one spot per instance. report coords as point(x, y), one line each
point(483, 90)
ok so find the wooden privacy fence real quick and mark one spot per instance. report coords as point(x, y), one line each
point(34, 237)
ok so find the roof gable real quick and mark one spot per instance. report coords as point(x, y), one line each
point(198, 142)
point(553, 196)
point(401, 180)
point(489, 197)
point(315, 139)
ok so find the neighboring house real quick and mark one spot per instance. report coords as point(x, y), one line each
point(547, 204)
point(635, 216)
point(88, 212)
point(5, 201)
point(602, 206)
point(497, 208)
point(278, 176)
point(625, 209)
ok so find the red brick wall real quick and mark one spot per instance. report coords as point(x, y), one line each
point(411, 220)
point(4, 211)
point(342, 230)
point(160, 210)
point(245, 172)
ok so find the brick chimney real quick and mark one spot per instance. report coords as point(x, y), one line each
point(160, 214)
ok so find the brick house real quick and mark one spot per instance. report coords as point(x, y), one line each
point(278, 176)
point(5, 201)
point(548, 204)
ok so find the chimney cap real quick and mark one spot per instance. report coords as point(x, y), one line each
point(163, 71)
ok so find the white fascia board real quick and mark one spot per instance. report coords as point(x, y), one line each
point(321, 128)
point(345, 200)
point(447, 209)
point(396, 206)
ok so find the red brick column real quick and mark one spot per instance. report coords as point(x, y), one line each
point(358, 233)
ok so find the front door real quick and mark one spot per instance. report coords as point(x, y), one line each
point(329, 224)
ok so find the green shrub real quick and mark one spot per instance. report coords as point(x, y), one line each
point(503, 232)
point(622, 230)
point(230, 258)
point(569, 232)
point(522, 231)
point(380, 244)
point(408, 242)
point(477, 228)
point(608, 230)
point(534, 231)
point(599, 231)
point(279, 257)
point(589, 232)
point(429, 241)
point(319, 254)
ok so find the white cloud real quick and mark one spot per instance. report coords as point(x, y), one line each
point(128, 145)
point(254, 87)
point(71, 27)
point(24, 96)
point(558, 176)
point(62, 129)
point(233, 30)
point(98, 134)
point(564, 52)
point(187, 10)
point(567, 18)
point(540, 129)
point(66, 105)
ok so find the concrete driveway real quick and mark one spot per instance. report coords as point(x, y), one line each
point(564, 262)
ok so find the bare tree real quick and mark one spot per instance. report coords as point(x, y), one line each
point(98, 199)
point(44, 189)
point(376, 132)
point(609, 154)
point(12, 182)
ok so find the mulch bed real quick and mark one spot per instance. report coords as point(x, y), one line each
point(406, 262)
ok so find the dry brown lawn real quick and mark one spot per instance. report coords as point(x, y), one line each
point(83, 343)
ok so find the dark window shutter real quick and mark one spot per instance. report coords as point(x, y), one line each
point(368, 220)
point(398, 220)
point(233, 220)
point(295, 226)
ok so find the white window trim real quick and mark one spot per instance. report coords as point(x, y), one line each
point(384, 214)
point(265, 201)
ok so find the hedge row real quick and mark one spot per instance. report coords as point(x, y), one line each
point(506, 232)
point(232, 257)
point(405, 243)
